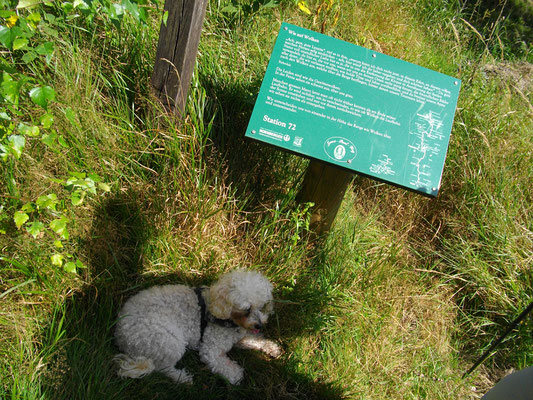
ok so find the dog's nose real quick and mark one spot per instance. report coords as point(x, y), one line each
point(258, 325)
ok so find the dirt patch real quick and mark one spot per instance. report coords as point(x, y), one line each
point(515, 74)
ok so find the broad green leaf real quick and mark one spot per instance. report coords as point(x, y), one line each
point(20, 218)
point(16, 144)
point(7, 67)
point(71, 116)
point(49, 201)
point(59, 226)
point(50, 31)
point(230, 9)
point(29, 56)
point(6, 13)
point(35, 228)
point(80, 4)
point(10, 89)
point(61, 140)
point(27, 3)
point(85, 185)
point(165, 18)
point(34, 18)
point(6, 78)
point(77, 175)
point(70, 267)
point(91, 187)
point(58, 244)
point(7, 36)
point(19, 43)
point(45, 49)
point(116, 11)
point(77, 197)
point(57, 259)
point(28, 130)
point(104, 187)
point(47, 120)
point(28, 207)
point(79, 264)
point(49, 139)
point(73, 183)
point(143, 15)
point(94, 177)
point(133, 9)
point(3, 152)
point(67, 7)
point(42, 95)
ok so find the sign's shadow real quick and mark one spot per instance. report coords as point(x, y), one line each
point(260, 174)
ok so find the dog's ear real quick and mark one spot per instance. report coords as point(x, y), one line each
point(220, 305)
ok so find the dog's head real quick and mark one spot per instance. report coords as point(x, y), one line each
point(243, 296)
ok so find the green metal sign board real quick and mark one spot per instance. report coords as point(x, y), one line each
point(355, 108)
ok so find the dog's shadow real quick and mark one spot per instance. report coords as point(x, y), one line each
point(82, 367)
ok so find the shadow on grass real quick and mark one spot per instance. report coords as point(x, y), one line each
point(260, 173)
point(511, 21)
point(82, 367)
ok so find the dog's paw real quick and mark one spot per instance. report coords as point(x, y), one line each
point(272, 349)
point(179, 376)
point(234, 374)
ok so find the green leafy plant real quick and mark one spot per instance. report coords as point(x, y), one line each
point(48, 216)
point(22, 35)
point(28, 29)
point(28, 33)
point(246, 9)
point(80, 184)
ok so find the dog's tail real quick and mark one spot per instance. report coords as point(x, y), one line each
point(133, 367)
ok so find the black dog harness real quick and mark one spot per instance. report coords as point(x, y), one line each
point(201, 303)
point(206, 316)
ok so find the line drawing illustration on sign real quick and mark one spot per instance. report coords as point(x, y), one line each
point(383, 167)
point(427, 135)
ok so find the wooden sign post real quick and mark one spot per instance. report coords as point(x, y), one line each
point(176, 51)
point(324, 186)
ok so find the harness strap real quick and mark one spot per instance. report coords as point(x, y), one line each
point(201, 303)
point(206, 317)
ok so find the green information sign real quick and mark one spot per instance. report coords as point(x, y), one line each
point(349, 106)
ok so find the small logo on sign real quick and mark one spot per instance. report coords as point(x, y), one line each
point(286, 138)
point(298, 141)
point(340, 149)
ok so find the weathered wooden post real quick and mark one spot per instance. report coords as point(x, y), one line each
point(176, 52)
point(324, 186)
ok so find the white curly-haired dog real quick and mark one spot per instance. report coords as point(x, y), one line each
point(156, 326)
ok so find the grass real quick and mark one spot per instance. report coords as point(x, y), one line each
point(395, 303)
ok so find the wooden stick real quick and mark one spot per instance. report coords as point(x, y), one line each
point(512, 325)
